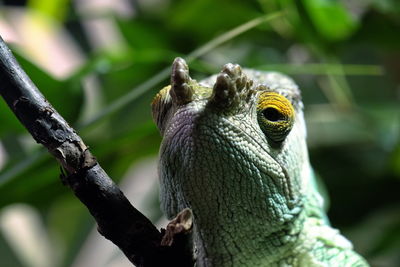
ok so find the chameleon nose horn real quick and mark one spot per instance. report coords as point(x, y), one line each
point(232, 90)
point(181, 90)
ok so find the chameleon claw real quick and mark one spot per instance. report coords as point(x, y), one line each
point(181, 91)
point(181, 225)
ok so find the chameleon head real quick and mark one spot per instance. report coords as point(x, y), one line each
point(233, 150)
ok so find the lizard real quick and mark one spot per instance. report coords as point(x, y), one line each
point(234, 152)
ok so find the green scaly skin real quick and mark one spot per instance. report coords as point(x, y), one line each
point(254, 201)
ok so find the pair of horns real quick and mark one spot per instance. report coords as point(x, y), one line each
point(231, 89)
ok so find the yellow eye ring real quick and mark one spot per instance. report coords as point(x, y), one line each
point(275, 115)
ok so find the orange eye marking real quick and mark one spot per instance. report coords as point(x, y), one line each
point(276, 101)
point(275, 116)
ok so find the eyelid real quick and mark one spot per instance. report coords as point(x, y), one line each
point(275, 130)
point(277, 101)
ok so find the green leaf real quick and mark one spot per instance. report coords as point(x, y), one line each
point(56, 9)
point(142, 34)
point(198, 20)
point(36, 184)
point(66, 96)
point(330, 18)
point(9, 123)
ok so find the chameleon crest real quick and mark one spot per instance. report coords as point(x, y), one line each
point(234, 152)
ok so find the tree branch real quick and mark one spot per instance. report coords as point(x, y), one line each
point(117, 219)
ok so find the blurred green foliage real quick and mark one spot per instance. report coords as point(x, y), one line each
point(344, 55)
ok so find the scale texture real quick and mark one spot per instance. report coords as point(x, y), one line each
point(234, 152)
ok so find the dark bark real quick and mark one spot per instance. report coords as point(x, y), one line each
point(117, 219)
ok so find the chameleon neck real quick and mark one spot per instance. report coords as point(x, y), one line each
point(305, 240)
point(225, 245)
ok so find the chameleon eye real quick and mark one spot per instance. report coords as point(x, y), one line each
point(272, 114)
point(275, 116)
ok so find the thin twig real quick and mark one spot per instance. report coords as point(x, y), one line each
point(117, 219)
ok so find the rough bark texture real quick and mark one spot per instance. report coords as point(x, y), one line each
point(117, 219)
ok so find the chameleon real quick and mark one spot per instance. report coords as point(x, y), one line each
point(234, 152)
